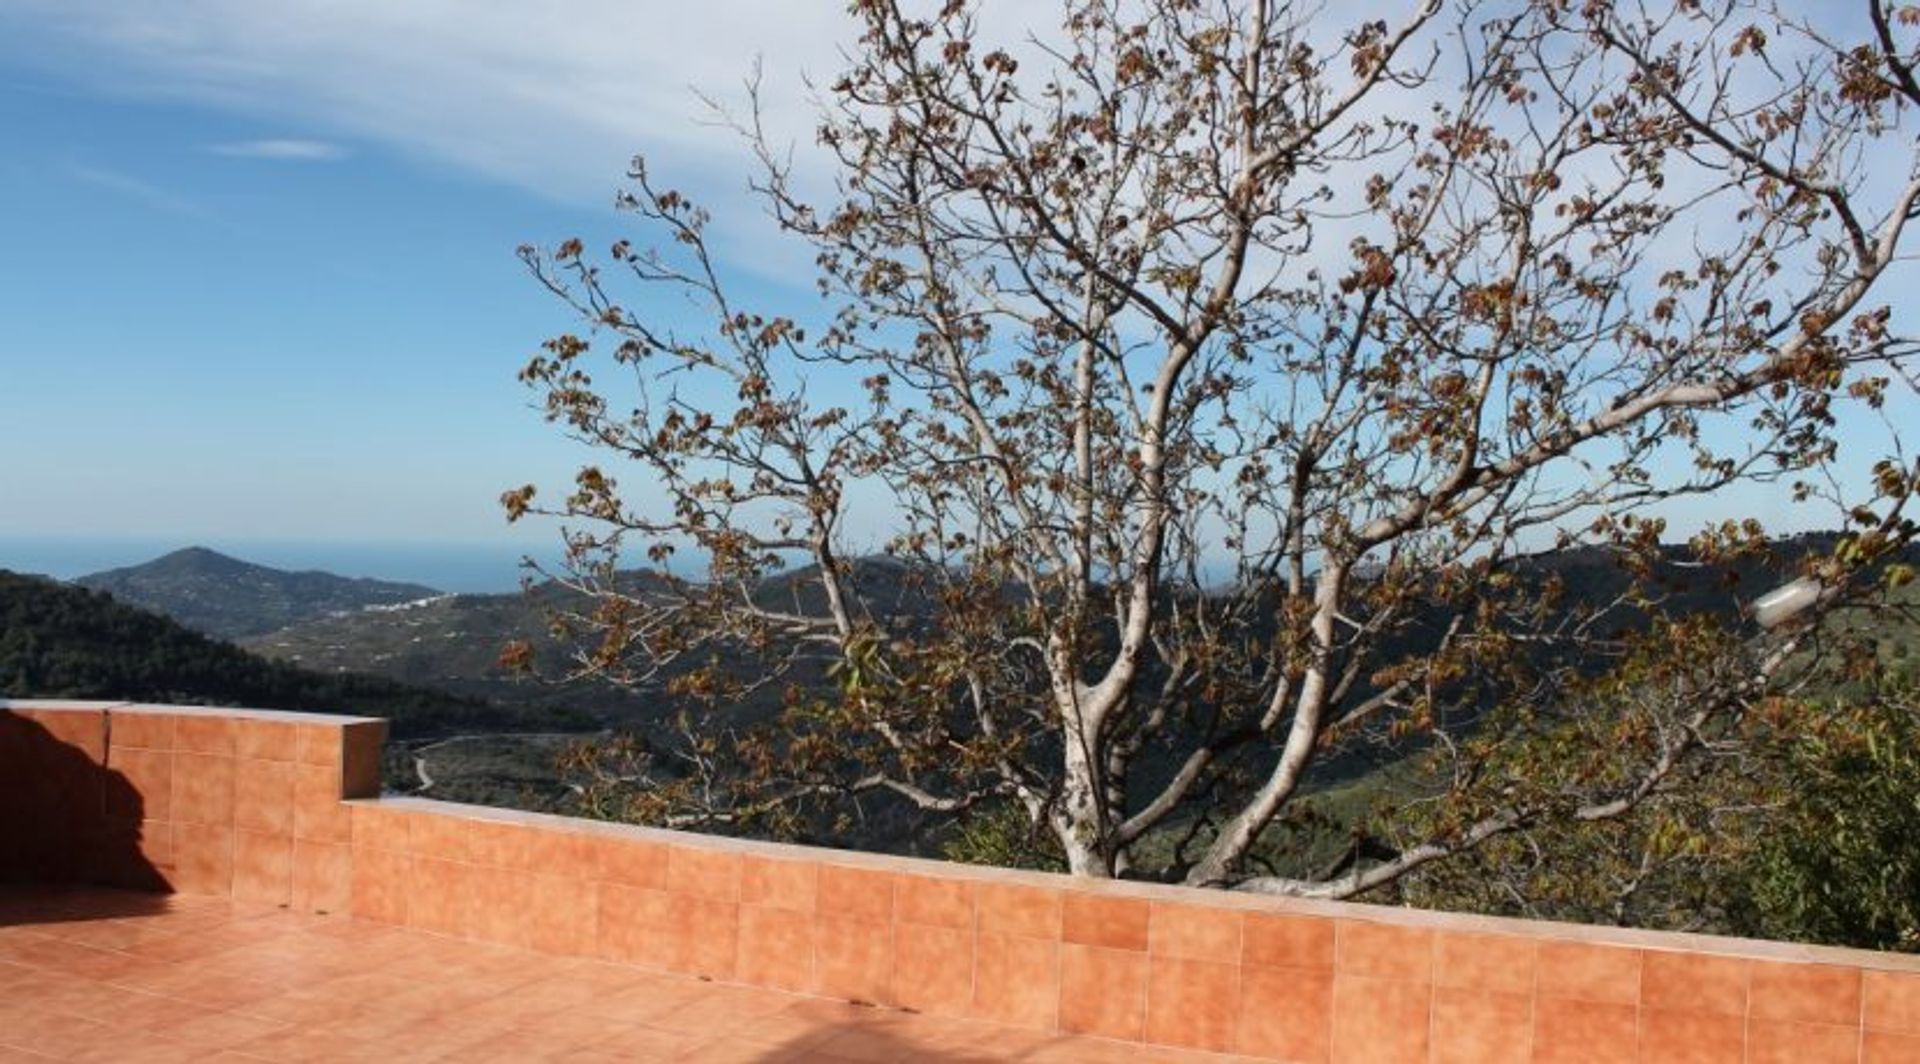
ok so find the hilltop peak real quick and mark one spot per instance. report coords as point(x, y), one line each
point(195, 556)
point(229, 598)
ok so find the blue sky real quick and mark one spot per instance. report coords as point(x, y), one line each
point(260, 290)
point(260, 282)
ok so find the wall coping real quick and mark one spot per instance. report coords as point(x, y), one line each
point(162, 709)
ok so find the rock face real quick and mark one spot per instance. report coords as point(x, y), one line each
point(230, 599)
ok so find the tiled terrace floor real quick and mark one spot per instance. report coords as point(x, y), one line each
point(109, 976)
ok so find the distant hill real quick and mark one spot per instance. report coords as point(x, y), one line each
point(60, 641)
point(450, 643)
point(228, 598)
point(453, 642)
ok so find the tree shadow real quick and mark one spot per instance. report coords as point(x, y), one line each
point(68, 820)
point(881, 1035)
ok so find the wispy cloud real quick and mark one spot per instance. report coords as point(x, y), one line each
point(554, 98)
point(283, 149)
point(134, 188)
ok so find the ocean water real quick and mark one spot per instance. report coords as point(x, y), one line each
point(467, 567)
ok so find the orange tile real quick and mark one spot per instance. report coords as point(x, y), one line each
point(322, 877)
point(1103, 991)
point(440, 896)
point(702, 937)
point(1804, 993)
point(1691, 1038)
point(1286, 1013)
point(1010, 909)
point(267, 740)
point(202, 789)
point(776, 883)
point(1568, 1031)
point(499, 844)
point(1883, 1047)
point(703, 873)
point(1016, 980)
point(379, 827)
point(318, 813)
point(147, 731)
point(318, 744)
point(441, 837)
point(83, 729)
point(933, 901)
point(502, 906)
point(1694, 982)
point(1584, 972)
point(60, 1037)
point(1105, 921)
point(1781, 1042)
point(1379, 1019)
point(1893, 1001)
point(380, 885)
point(1384, 951)
point(933, 968)
point(856, 893)
point(633, 864)
point(1193, 1004)
point(203, 734)
point(155, 841)
point(1477, 1026)
point(211, 1032)
point(262, 868)
point(562, 852)
point(853, 959)
point(263, 796)
point(1194, 932)
point(202, 858)
point(1282, 941)
point(647, 1043)
point(564, 915)
point(632, 922)
point(149, 778)
point(1500, 963)
point(776, 948)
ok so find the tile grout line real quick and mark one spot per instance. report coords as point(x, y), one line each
point(1860, 1043)
point(1433, 992)
point(1533, 999)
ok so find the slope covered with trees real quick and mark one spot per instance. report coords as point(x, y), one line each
point(58, 641)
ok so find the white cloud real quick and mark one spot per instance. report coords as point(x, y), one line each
point(135, 188)
point(284, 149)
point(553, 97)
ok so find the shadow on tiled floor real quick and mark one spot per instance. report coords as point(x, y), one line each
point(96, 975)
point(58, 905)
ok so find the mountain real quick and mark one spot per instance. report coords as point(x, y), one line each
point(450, 643)
point(228, 598)
point(453, 642)
point(60, 641)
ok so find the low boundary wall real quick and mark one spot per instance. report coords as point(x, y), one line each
point(282, 809)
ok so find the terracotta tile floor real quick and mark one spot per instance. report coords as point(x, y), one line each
point(99, 975)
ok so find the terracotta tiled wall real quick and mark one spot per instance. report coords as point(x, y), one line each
point(239, 802)
point(1285, 980)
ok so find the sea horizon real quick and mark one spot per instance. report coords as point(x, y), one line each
point(451, 566)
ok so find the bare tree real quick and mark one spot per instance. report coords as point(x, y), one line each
point(1214, 372)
